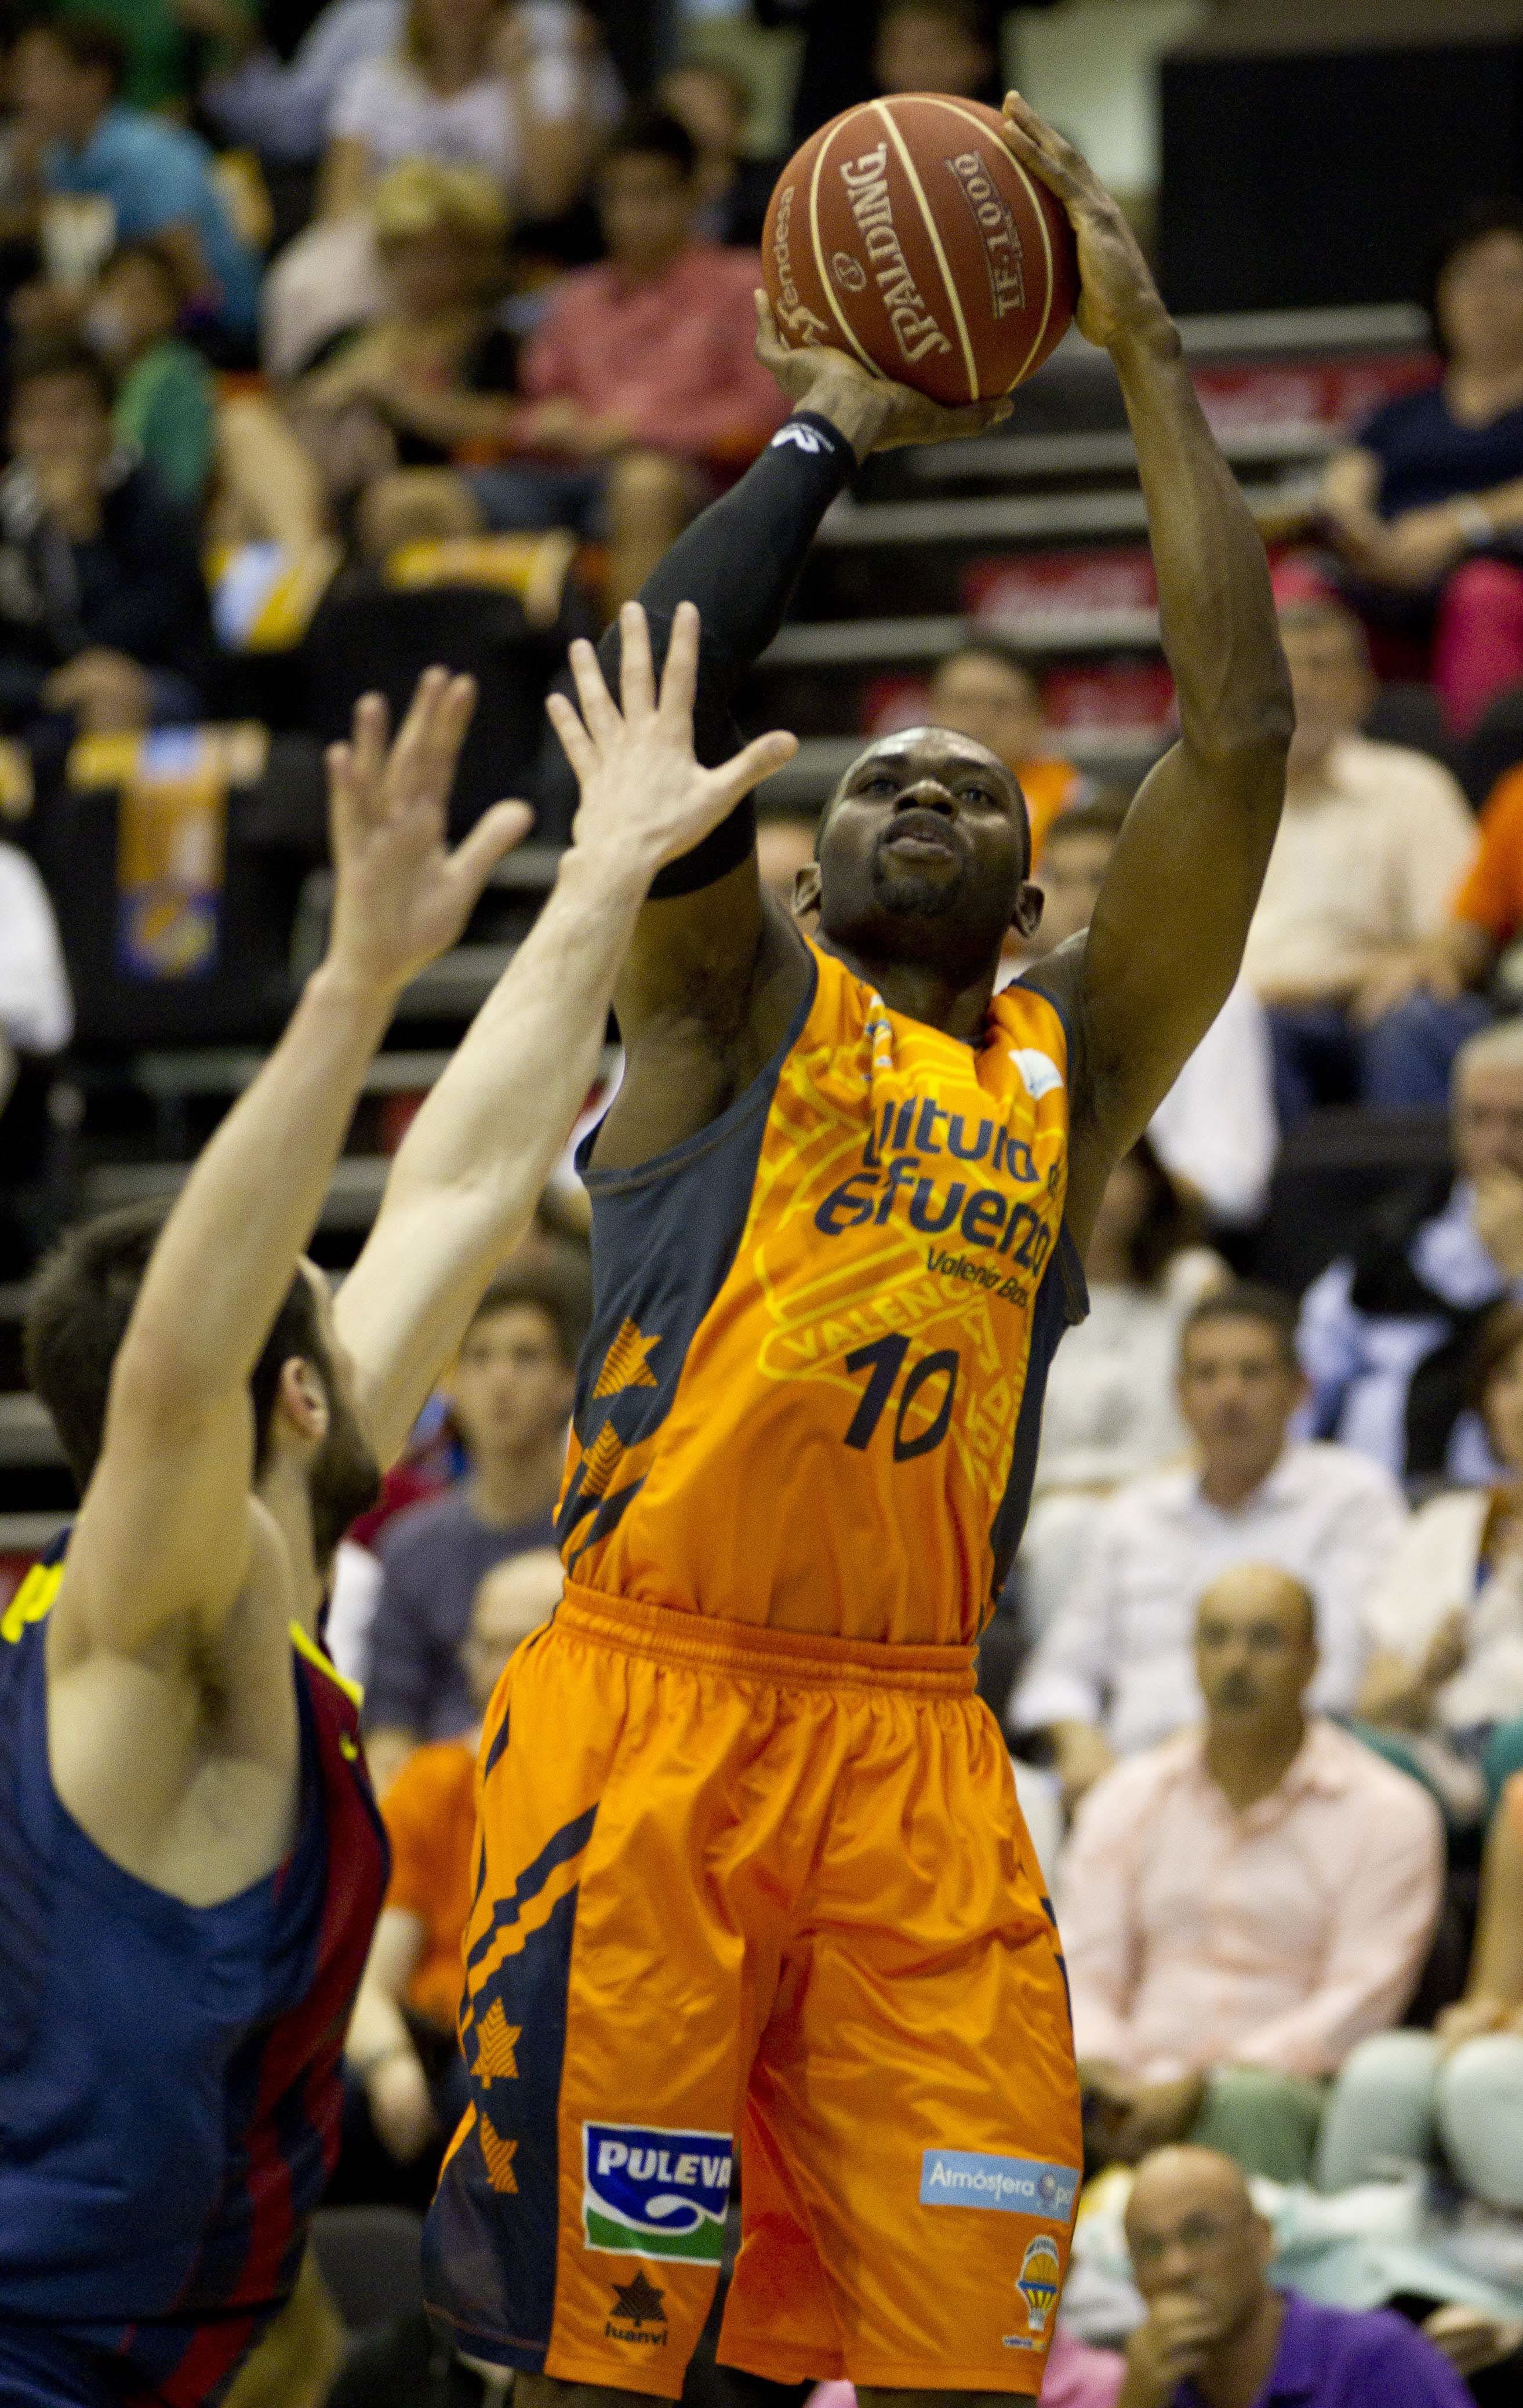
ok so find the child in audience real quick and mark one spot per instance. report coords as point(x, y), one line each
point(401, 2051)
point(165, 402)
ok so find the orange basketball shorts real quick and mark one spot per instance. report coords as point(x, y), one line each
point(748, 1895)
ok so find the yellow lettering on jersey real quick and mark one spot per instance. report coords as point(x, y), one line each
point(31, 1601)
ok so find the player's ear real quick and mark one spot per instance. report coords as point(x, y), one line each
point(1027, 917)
point(302, 1397)
point(805, 900)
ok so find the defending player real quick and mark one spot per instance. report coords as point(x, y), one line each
point(752, 1854)
point(191, 1863)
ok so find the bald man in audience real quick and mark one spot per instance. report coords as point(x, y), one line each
point(1242, 1904)
point(1216, 2331)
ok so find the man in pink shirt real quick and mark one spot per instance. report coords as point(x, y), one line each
point(1243, 1902)
point(642, 382)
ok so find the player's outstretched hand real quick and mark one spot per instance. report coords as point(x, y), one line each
point(400, 896)
point(1117, 297)
point(871, 411)
point(645, 798)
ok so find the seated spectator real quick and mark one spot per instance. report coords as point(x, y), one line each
point(510, 1396)
point(1214, 1132)
point(161, 37)
point(1402, 2094)
point(713, 101)
point(1111, 1673)
point(408, 2087)
point(1486, 913)
point(1426, 503)
point(935, 46)
point(1111, 1411)
point(1373, 842)
point(433, 374)
point(156, 178)
point(644, 378)
point(1244, 1903)
point(1216, 2331)
point(985, 691)
point(1444, 1687)
point(281, 108)
point(102, 612)
point(36, 1020)
point(166, 401)
point(467, 82)
point(1387, 1331)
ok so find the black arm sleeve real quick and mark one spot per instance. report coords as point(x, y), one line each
point(739, 563)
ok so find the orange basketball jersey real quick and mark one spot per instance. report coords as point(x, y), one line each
point(811, 1394)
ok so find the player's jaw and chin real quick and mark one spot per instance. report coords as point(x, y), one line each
point(954, 909)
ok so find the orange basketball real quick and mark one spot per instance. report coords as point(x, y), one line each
point(904, 232)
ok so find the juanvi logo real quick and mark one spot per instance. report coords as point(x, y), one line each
point(650, 2192)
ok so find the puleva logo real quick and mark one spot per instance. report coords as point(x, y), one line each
point(1040, 2279)
point(651, 2192)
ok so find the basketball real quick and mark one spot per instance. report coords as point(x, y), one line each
point(904, 232)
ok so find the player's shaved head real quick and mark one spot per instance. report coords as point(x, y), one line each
point(923, 855)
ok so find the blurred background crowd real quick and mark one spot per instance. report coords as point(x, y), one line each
point(335, 339)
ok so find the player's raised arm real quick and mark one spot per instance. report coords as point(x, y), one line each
point(1167, 938)
point(468, 1175)
point(165, 1528)
point(698, 956)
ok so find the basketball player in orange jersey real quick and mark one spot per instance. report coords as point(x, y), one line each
point(753, 1873)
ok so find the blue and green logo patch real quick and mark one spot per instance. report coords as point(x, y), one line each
point(650, 2192)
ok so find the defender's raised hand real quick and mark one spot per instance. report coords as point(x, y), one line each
point(644, 796)
point(400, 896)
point(1117, 297)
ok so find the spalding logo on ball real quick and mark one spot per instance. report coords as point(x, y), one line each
point(906, 234)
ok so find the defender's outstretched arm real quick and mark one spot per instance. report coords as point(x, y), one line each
point(468, 1173)
point(165, 1531)
point(1166, 942)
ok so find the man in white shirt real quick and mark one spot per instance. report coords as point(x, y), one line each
point(1113, 1672)
point(1243, 1902)
point(1374, 840)
point(1215, 1129)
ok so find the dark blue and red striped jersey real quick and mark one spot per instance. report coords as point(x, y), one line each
point(170, 2076)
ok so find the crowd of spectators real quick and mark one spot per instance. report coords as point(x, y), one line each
point(310, 292)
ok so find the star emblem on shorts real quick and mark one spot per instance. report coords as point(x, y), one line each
point(628, 1364)
point(639, 2302)
point(495, 2045)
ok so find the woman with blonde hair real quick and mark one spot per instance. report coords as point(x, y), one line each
point(522, 93)
point(430, 375)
